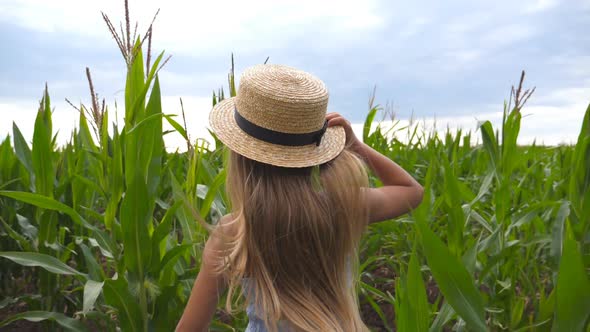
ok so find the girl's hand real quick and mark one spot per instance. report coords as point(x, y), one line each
point(399, 194)
point(335, 119)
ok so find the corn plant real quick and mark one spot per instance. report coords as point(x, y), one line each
point(497, 230)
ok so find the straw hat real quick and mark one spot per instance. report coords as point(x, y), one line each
point(278, 118)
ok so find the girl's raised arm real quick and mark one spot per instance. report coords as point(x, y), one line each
point(400, 192)
point(207, 288)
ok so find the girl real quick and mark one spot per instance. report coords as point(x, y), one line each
point(300, 201)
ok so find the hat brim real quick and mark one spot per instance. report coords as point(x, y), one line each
point(224, 126)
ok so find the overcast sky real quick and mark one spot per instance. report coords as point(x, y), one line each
point(453, 61)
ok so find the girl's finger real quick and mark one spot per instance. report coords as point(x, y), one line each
point(332, 115)
point(333, 122)
point(337, 122)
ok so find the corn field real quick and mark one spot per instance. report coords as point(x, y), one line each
point(103, 233)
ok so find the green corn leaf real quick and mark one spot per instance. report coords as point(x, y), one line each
point(155, 144)
point(378, 311)
point(489, 141)
point(104, 135)
point(404, 315)
point(135, 216)
point(21, 240)
point(7, 161)
point(163, 228)
point(51, 204)
point(95, 272)
point(42, 154)
point(375, 292)
point(64, 321)
point(144, 123)
point(176, 125)
point(184, 214)
point(557, 230)
point(417, 296)
point(7, 301)
point(516, 312)
point(212, 192)
point(131, 150)
point(8, 183)
point(26, 228)
point(84, 135)
point(166, 266)
point(484, 188)
point(368, 122)
point(167, 311)
point(89, 184)
point(22, 150)
point(45, 203)
point(546, 306)
point(117, 295)
point(573, 288)
point(115, 178)
point(579, 177)
point(133, 89)
point(136, 89)
point(47, 262)
point(509, 137)
point(92, 290)
point(453, 279)
point(535, 327)
point(469, 259)
point(155, 68)
point(456, 216)
point(445, 314)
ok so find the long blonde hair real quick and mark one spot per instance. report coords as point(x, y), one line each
point(296, 237)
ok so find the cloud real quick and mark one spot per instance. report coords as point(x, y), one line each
point(445, 59)
point(539, 5)
point(201, 27)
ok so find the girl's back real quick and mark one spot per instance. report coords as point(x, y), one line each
point(300, 202)
point(297, 232)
